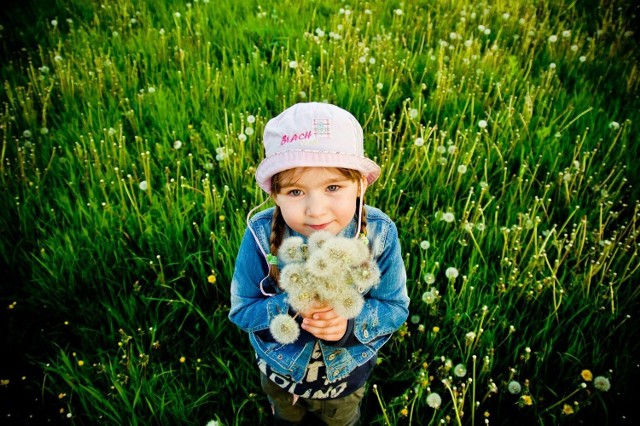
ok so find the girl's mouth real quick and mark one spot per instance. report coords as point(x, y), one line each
point(318, 227)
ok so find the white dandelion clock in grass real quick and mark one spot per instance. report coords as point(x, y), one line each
point(419, 142)
point(448, 217)
point(429, 297)
point(434, 400)
point(482, 124)
point(293, 250)
point(429, 278)
point(451, 273)
point(221, 154)
point(514, 387)
point(284, 329)
point(470, 337)
point(602, 383)
point(143, 185)
point(424, 245)
point(460, 370)
point(177, 145)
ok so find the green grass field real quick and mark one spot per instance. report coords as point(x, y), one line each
point(507, 136)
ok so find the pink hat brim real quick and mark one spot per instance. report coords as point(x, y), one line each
point(293, 158)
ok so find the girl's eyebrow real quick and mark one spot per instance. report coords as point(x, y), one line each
point(329, 181)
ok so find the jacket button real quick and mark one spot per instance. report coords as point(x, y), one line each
point(279, 356)
point(364, 354)
point(365, 333)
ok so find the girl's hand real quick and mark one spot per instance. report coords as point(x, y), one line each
point(323, 322)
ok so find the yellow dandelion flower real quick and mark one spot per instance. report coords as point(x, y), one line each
point(182, 360)
point(436, 329)
point(221, 218)
point(80, 363)
point(4, 382)
point(404, 412)
point(567, 409)
point(212, 279)
point(586, 375)
point(526, 400)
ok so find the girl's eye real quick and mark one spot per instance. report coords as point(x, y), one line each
point(295, 193)
point(333, 188)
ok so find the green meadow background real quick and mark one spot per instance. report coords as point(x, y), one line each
point(507, 136)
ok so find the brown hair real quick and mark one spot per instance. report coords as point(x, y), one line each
point(278, 224)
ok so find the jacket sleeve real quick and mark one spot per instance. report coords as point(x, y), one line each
point(386, 306)
point(251, 310)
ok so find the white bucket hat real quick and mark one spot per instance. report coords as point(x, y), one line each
point(313, 135)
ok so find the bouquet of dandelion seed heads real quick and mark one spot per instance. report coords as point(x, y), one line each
point(333, 270)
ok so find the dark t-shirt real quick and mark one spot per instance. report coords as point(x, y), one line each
point(314, 384)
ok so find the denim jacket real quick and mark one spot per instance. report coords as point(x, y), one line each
point(385, 309)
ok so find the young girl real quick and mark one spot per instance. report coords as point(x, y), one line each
point(316, 173)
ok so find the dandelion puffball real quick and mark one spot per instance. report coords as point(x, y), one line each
point(514, 387)
point(291, 250)
point(602, 383)
point(284, 329)
point(434, 400)
point(333, 270)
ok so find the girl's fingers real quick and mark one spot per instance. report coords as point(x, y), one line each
point(332, 329)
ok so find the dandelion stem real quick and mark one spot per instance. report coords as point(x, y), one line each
point(561, 401)
point(384, 410)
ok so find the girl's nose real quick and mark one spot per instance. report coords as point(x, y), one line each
point(316, 206)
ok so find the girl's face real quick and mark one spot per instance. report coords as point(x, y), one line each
point(316, 198)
